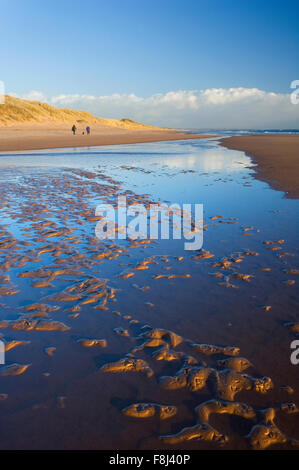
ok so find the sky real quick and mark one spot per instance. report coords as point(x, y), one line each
point(187, 63)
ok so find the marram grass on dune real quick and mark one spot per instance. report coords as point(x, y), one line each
point(16, 111)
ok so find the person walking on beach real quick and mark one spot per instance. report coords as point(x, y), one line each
point(88, 130)
point(74, 128)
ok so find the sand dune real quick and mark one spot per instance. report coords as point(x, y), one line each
point(23, 112)
point(30, 125)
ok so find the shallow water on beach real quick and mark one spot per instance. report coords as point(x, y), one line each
point(142, 344)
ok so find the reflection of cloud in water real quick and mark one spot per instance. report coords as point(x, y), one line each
point(210, 160)
point(197, 155)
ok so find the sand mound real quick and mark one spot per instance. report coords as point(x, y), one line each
point(17, 111)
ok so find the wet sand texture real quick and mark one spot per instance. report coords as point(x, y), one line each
point(225, 380)
point(86, 276)
point(276, 156)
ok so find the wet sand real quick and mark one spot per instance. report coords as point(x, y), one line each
point(37, 137)
point(121, 345)
point(277, 158)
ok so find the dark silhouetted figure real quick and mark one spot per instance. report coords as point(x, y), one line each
point(74, 128)
point(88, 130)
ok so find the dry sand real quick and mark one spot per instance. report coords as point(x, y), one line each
point(277, 157)
point(36, 137)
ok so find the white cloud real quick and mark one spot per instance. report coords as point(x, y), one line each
point(210, 108)
point(33, 95)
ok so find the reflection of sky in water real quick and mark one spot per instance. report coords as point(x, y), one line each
point(197, 155)
point(218, 177)
point(197, 308)
point(175, 172)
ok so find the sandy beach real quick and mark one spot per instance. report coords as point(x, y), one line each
point(34, 137)
point(149, 182)
point(276, 156)
point(117, 343)
point(141, 344)
point(32, 125)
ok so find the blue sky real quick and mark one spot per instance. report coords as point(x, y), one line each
point(147, 47)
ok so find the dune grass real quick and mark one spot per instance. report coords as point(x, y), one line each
point(17, 111)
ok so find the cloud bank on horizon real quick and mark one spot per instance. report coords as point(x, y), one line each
point(247, 108)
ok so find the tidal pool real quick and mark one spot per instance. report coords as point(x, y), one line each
point(121, 344)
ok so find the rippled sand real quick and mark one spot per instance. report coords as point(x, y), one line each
point(124, 344)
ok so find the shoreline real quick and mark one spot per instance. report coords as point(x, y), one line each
point(25, 139)
point(64, 281)
point(276, 157)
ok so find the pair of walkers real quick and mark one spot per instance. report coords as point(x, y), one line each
point(74, 130)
